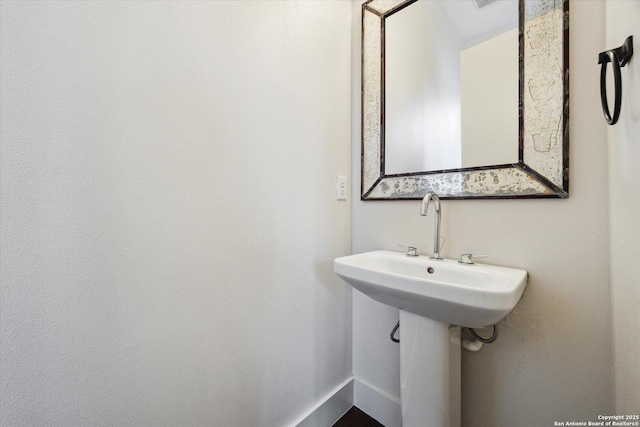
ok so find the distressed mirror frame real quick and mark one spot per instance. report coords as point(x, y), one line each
point(542, 170)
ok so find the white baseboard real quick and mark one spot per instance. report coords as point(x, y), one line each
point(377, 404)
point(353, 392)
point(329, 410)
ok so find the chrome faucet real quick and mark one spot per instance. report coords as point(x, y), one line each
point(423, 211)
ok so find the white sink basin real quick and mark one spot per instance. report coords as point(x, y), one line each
point(467, 295)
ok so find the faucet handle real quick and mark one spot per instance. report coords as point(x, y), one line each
point(411, 250)
point(468, 258)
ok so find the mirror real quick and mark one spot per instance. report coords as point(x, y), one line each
point(451, 85)
point(465, 106)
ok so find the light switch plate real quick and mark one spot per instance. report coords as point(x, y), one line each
point(341, 188)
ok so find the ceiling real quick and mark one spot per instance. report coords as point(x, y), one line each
point(477, 25)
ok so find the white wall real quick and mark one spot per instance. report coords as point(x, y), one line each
point(623, 20)
point(422, 90)
point(489, 85)
point(553, 358)
point(169, 219)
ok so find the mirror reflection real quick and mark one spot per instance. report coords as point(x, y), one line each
point(451, 85)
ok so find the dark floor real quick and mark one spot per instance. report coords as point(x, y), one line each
point(356, 418)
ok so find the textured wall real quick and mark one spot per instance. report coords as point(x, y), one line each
point(169, 219)
point(553, 359)
point(623, 20)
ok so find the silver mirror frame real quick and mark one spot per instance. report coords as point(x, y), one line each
point(542, 170)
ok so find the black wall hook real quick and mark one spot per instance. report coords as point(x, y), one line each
point(619, 57)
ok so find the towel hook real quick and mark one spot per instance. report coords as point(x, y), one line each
point(618, 57)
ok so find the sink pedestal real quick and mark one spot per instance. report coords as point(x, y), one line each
point(430, 372)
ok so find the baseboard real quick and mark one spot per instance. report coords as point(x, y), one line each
point(377, 404)
point(353, 392)
point(329, 410)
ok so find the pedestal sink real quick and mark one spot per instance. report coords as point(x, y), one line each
point(435, 298)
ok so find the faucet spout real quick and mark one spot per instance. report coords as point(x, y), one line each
point(424, 208)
